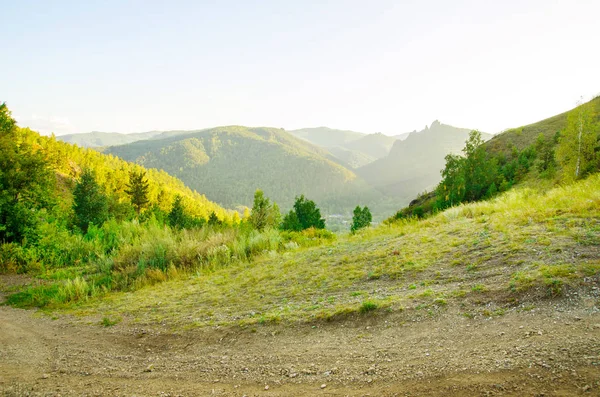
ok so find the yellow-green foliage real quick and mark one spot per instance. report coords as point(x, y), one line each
point(113, 174)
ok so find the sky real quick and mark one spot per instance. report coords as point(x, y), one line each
point(368, 66)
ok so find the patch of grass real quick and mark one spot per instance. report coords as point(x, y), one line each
point(108, 322)
point(368, 306)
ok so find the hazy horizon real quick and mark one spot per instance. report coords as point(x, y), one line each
point(383, 67)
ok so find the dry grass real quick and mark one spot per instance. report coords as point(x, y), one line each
point(523, 242)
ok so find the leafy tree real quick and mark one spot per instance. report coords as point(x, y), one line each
point(305, 215)
point(264, 214)
point(90, 205)
point(26, 181)
point(362, 218)
point(577, 145)
point(546, 163)
point(137, 189)
point(177, 217)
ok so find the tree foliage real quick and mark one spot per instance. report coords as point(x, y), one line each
point(304, 215)
point(362, 218)
point(177, 216)
point(578, 148)
point(137, 189)
point(478, 174)
point(90, 205)
point(264, 213)
point(26, 181)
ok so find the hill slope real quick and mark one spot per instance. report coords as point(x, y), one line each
point(414, 164)
point(524, 136)
point(113, 174)
point(97, 139)
point(353, 148)
point(229, 163)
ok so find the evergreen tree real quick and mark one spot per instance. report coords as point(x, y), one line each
point(264, 214)
point(362, 218)
point(26, 182)
point(137, 189)
point(291, 222)
point(304, 215)
point(177, 217)
point(90, 205)
point(213, 220)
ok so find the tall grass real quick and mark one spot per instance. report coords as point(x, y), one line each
point(130, 255)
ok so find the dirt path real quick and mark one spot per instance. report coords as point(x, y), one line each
point(541, 352)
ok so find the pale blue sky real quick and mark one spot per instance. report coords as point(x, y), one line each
point(389, 66)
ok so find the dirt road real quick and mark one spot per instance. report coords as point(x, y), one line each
point(539, 352)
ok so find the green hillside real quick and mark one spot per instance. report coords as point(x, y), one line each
point(553, 151)
point(229, 163)
point(413, 165)
point(525, 136)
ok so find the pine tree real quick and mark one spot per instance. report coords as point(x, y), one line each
point(90, 205)
point(305, 215)
point(177, 217)
point(137, 189)
point(213, 220)
point(362, 218)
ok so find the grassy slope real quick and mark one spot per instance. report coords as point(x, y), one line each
point(481, 259)
point(525, 136)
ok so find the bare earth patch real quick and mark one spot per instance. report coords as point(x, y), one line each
point(552, 349)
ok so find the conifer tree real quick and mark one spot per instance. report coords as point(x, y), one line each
point(177, 217)
point(362, 218)
point(305, 215)
point(137, 189)
point(90, 205)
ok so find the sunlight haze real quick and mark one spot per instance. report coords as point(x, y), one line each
point(379, 66)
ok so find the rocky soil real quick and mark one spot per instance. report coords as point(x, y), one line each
point(551, 348)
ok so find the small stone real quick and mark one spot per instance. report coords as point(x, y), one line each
point(323, 386)
point(267, 387)
point(45, 376)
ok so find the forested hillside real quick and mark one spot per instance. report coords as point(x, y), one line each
point(413, 165)
point(560, 149)
point(229, 163)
